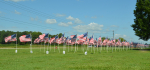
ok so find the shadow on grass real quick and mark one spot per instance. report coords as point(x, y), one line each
point(142, 49)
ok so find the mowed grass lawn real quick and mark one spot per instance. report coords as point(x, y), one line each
point(39, 60)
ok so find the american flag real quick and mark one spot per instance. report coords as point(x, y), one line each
point(10, 38)
point(73, 38)
point(62, 39)
point(83, 35)
point(46, 40)
point(66, 39)
point(25, 38)
point(99, 40)
point(69, 41)
point(39, 40)
point(114, 40)
point(91, 40)
point(56, 39)
point(51, 40)
point(80, 41)
point(35, 41)
point(45, 35)
point(105, 41)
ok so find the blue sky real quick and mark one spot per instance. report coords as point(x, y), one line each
point(98, 17)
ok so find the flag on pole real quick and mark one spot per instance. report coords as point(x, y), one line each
point(91, 40)
point(56, 39)
point(25, 38)
point(51, 40)
point(83, 35)
point(73, 38)
point(100, 40)
point(10, 38)
point(37, 40)
point(62, 39)
point(45, 35)
point(66, 39)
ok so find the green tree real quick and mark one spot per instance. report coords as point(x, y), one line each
point(142, 19)
point(122, 39)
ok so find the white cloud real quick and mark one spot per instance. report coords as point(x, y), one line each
point(34, 19)
point(16, 12)
point(114, 26)
point(92, 27)
point(65, 24)
point(76, 20)
point(94, 17)
point(60, 15)
point(70, 18)
point(18, 0)
point(69, 23)
point(51, 21)
point(122, 36)
point(49, 30)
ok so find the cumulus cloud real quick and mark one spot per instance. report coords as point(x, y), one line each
point(51, 21)
point(92, 27)
point(16, 12)
point(76, 20)
point(18, 0)
point(65, 24)
point(93, 17)
point(70, 18)
point(60, 15)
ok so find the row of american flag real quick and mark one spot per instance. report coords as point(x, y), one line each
point(74, 39)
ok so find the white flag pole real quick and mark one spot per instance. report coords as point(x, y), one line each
point(54, 46)
point(50, 46)
point(75, 42)
point(71, 46)
point(94, 43)
point(97, 44)
point(31, 44)
point(101, 45)
point(77, 46)
point(123, 47)
point(44, 46)
point(41, 46)
point(16, 43)
point(115, 45)
point(58, 44)
point(48, 42)
point(87, 41)
point(68, 47)
point(83, 47)
point(107, 45)
point(112, 46)
point(47, 52)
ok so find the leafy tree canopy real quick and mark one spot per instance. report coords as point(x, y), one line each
point(142, 19)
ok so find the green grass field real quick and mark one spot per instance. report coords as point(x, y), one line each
point(39, 60)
